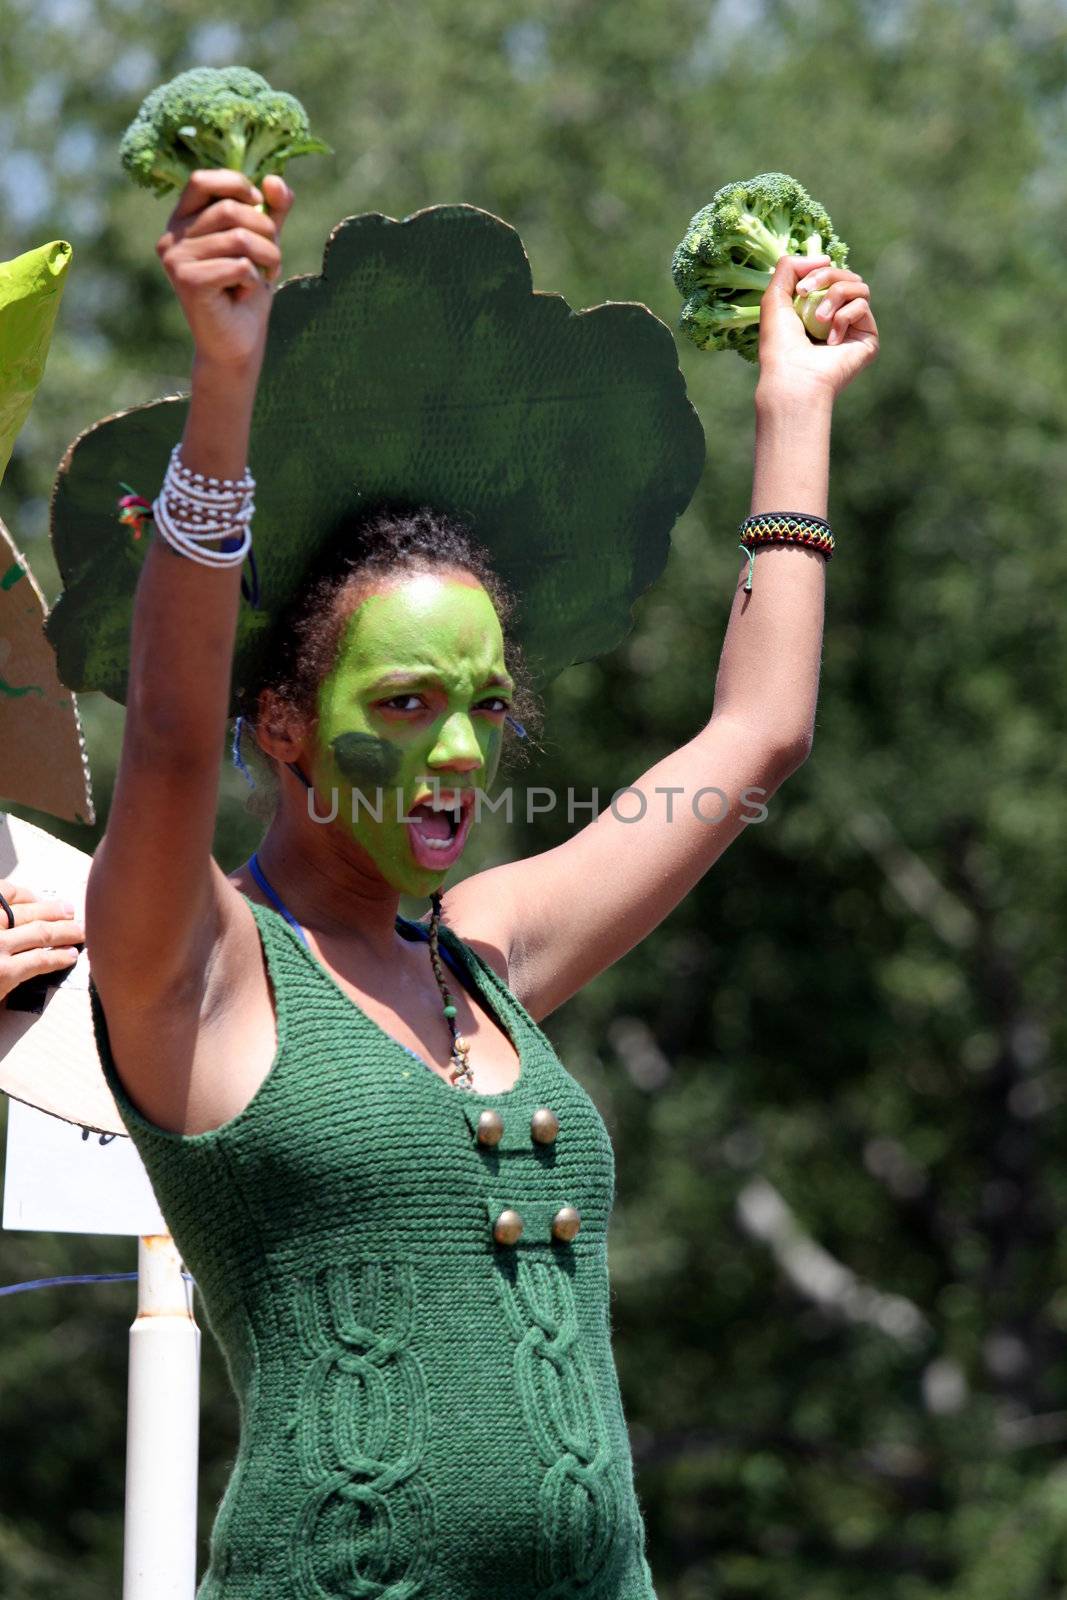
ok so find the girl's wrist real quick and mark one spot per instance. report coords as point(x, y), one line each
point(231, 379)
point(217, 429)
point(792, 463)
point(782, 400)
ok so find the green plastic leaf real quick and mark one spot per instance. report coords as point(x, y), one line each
point(421, 366)
point(31, 288)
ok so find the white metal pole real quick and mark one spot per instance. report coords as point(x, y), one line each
point(162, 1430)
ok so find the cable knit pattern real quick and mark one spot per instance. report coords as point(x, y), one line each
point(582, 1494)
point(425, 1414)
point(362, 1419)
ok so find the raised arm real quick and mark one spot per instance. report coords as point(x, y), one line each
point(155, 896)
point(557, 919)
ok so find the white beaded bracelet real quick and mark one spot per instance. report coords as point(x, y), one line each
point(193, 542)
point(198, 487)
point(191, 511)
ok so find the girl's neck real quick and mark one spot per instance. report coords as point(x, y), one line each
point(328, 882)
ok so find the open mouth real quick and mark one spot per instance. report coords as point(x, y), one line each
point(439, 828)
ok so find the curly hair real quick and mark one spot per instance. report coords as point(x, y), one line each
point(386, 538)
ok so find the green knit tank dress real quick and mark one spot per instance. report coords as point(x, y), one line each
point(425, 1414)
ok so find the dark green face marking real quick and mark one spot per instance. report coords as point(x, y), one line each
point(363, 758)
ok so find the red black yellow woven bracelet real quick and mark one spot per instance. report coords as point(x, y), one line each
point(784, 527)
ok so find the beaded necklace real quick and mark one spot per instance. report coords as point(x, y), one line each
point(459, 1056)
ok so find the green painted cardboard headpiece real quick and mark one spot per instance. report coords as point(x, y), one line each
point(420, 367)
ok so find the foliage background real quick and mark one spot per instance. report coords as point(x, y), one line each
point(834, 1076)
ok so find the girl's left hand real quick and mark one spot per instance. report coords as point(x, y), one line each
point(41, 939)
point(789, 360)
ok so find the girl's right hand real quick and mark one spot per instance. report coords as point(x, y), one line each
point(43, 938)
point(792, 363)
point(222, 256)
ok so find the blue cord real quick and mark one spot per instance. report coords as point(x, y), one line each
point(417, 931)
point(275, 899)
point(249, 580)
point(235, 752)
point(78, 1277)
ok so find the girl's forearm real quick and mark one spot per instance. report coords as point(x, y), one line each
point(768, 676)
point(217, 430)
point(792, 465)
point(185, 615)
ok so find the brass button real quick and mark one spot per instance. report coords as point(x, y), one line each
point(508, 1227)
point(565, 1223)
point(490, 1128)
point(544, 1125)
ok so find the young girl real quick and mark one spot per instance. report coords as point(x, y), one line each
point(392, 1195)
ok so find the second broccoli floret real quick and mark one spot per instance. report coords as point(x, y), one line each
point(730, 250)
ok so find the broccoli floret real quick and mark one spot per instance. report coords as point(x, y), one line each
point(730, 250)
point(215, 117)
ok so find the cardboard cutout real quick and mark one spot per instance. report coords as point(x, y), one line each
point(43, 763)
point(421, 367)
point(48, 1057)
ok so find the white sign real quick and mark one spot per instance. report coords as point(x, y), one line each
point(61, 1180)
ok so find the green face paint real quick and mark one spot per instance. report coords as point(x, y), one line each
point(413, 708)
